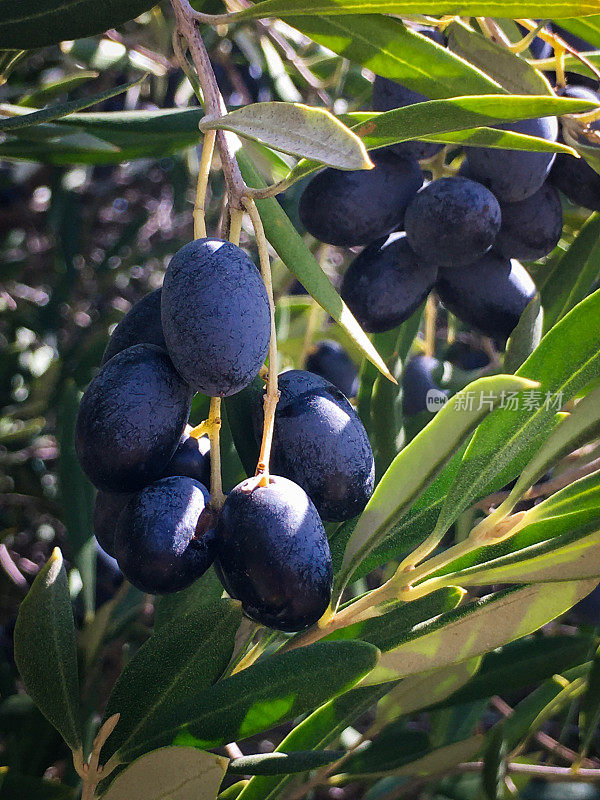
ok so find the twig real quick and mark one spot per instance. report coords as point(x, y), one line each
point(214, 106)
point(551, 774)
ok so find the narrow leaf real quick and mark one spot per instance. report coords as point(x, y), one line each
point(24, 24)
point(316, 731)
point(283, 763)
point(296, 129)
point(170, 608)
point(589, 715)
point(572, 275)
point(513, 73)
point(388, 48)
point(505, 442)
point(466, 8)
point(46, 651)
point(525, 337)
point(24, 118)
point(483, 625)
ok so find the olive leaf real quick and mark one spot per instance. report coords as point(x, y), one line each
point(296, 129)
point(179, 773)
point(20, 117)
point(483, 625)
point(467, 8)
point(46, 650)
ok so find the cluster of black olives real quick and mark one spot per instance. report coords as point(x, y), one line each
point(207, 330)
point(460, 235)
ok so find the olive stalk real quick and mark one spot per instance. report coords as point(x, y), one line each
point(208, 147)
point(272, 394)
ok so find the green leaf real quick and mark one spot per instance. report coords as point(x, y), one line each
point(296, 129)
point(415, 467)
point(483, 625)
point(273, 690)
point(316, 731)
point(390, 628)
point(283, 763)
point(494, 766)
point(292, 250)
point(558, 521)
point(589, 714)
point(76, 497)
point(525, 337)
point(578, 428)
point(436, 119)
point(572, 276)
point(177, 661)
point(501, 139)
point(511, 72)
point(170, 608)
point(393, 748)
point(418, 522)
point(587, 28)
point(27, 24)
point(389, 49)
point(54, 88)
point(467, 8)
point(522, 664)
point(238, 408)
point(442, 759)
point(179, 773)
point(425, 689)
point(46, 651)
point(20, 118)
point(505, 442)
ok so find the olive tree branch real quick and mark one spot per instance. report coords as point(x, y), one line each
point(186, 19)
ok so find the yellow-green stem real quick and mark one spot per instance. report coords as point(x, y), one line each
point(217, 498)
point(272, 393)
point(202, 184)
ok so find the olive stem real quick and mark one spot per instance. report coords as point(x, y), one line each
point(202, 184)
point(217, 498)
point(269, 191)
point(559, 56)
point(430, 325)
point(236, 217)
point(272, 395)
point(523, 44)
point(556, 41)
